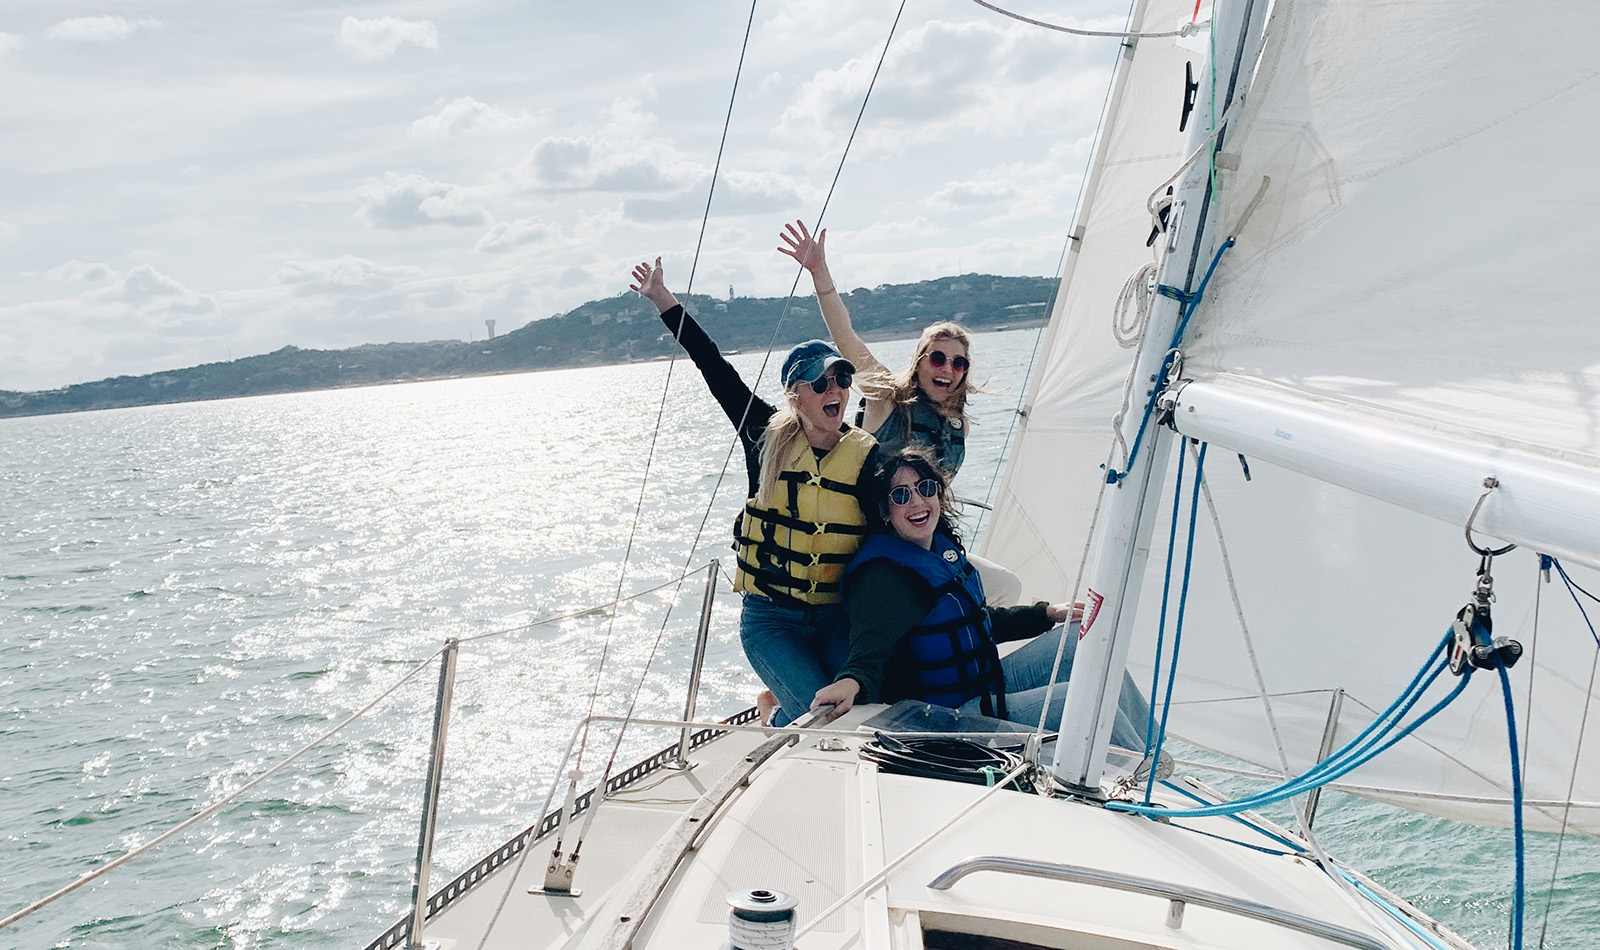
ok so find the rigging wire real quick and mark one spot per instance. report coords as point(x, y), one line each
point(661, 409)
point(699, 532)
point(655, 646)
point(217, 805)
point(1188, 29)
point(639, 505)
point(1583, 728)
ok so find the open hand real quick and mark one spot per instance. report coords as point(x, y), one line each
point(803, 247)
point(651, 283)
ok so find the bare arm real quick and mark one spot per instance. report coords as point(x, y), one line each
point(810, 253)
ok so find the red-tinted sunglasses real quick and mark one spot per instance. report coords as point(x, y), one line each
point(938, 358)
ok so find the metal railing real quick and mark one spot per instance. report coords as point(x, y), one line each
point(1178, 895)
point(441, 725)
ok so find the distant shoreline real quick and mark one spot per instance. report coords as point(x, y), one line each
point(616, 331)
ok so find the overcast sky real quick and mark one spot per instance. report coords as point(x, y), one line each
point(187, 182)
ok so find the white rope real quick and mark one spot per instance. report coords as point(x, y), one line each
point(1188, 29)
point(1135, 298)
point(215, 806)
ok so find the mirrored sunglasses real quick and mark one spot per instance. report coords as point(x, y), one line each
point(901, 494)
point(938, 358)
point(820, 384)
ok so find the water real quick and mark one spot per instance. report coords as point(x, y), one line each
point(189, 593)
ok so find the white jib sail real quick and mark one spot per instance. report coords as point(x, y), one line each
point(1416, 261)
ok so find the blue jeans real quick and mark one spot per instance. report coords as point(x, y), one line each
point(1028, 679)
point(795, 651)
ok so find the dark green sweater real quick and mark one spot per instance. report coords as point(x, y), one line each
point(887, 600)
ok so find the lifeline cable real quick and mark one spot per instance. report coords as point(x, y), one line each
point(215, 806)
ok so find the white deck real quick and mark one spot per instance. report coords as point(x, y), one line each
point(817, 823)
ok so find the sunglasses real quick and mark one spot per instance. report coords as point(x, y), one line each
point(820, 384)
point(901, 494)
point(938, 358)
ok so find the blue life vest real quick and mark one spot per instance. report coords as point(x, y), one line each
point(949, 656)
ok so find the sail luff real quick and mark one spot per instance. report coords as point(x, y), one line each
point(1123, 548)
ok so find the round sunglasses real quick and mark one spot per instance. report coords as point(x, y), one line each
point(901, 494)
point(820, 384)
point(938, 358)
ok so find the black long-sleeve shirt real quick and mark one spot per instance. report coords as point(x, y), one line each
point(748, 412)
point(887, 600)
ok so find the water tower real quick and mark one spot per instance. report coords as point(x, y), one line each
point(490, 325)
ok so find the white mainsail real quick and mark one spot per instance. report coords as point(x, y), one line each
point(1414, 263)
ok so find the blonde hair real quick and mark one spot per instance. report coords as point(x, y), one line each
point(901, 387)
point(777, 444)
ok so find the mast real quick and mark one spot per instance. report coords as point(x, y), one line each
point(1119, 561)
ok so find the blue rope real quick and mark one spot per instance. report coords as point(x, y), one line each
point(1573, 589)
point(1516, 808)
point(1191, 301)
point(1384, 905)
point(1161, 627)
point(1377, 738)
point(1183, 599)
point(1265, 833)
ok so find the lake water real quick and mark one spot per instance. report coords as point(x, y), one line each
point(189, 593)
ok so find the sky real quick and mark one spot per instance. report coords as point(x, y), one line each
point(188, 182)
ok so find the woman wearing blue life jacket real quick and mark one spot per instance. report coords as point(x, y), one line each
point(802, 521)
point(923, 406)
point(919, 628)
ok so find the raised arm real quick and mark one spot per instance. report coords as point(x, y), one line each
point(749, 413)
point(810, 253)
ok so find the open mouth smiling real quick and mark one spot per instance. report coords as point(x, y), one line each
point(831, 409)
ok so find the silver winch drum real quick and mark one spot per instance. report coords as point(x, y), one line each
point(761, 919)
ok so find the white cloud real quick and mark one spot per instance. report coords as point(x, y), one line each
point(509, 234)
point(968, 194)
point(9, 42)
point(76, 270)
point(408, 201)
point(738, 193)
point(465, 116)
point(160, 299)
point(341, 275)
point(584, 164)
point(380, 38)
point(97, 29)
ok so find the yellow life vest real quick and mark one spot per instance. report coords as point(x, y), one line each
point(795, 552)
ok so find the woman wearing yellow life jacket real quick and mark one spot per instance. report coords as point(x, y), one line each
point(803, 520)
point(923, 406)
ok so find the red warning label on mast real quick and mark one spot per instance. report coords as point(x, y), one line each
point(1095, 600)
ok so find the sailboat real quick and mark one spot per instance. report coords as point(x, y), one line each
point(1331, 251)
